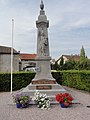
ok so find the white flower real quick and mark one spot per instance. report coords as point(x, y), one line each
point(41, 100)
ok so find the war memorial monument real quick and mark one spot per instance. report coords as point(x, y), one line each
point(43, 80)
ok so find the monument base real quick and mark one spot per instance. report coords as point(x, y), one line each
point(43, 81)
point(48, 87)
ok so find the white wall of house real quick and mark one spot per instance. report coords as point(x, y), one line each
point(5, 63)
point(65, 59)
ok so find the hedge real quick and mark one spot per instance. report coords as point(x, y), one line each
point(77, 79)
point(74, 78)
point(20, 80)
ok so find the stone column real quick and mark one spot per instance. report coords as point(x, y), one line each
point(43, 69)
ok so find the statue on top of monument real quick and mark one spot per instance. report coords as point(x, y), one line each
point(41, 5)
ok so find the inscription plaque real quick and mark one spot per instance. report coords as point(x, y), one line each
point(41, 87)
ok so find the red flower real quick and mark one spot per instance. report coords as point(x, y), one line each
point(58, 97)
point(61, 99)
point(66, 104)
point(70, 99)
point(66, 94)
point(65, 98)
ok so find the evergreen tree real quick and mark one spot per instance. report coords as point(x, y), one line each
point(82, 55)
point(83, 59)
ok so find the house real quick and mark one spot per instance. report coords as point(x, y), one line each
point(69, 57)
point(5, 59)
point(27, 61)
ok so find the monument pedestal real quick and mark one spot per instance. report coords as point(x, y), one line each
point(43, 71)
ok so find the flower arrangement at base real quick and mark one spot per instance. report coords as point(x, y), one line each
point(64, 99)
point(22, 101)
point(41, 100)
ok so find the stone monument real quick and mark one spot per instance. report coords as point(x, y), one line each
point(43, 81)
point(43, 71)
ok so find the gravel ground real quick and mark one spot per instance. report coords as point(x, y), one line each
point(76, 112)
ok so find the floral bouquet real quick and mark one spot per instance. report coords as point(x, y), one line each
point(41, 100)
point(21, 100)
point(65, 99)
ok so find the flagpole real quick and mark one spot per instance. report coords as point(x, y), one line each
point(12, 54)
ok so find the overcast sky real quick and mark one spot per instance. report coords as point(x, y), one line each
point(69, 25)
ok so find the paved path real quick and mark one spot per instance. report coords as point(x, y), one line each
point(76, 112)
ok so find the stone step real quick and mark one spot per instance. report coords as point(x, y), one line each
point(47, 92)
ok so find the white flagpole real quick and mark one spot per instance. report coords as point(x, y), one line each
point(12, 54)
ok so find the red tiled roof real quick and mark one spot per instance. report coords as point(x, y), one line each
point(72, 57)
point(27, 56)
point(76, 57)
